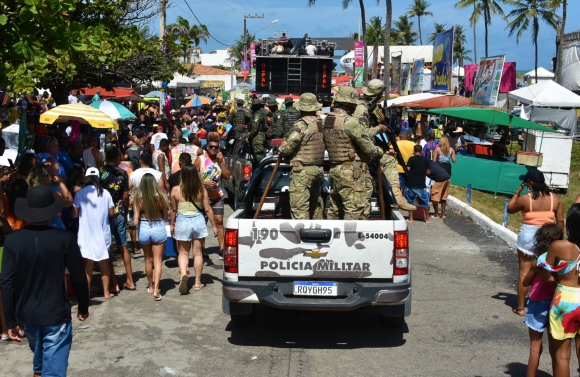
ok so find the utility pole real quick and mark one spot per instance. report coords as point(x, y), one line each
point(246, 30)
point(162, 20)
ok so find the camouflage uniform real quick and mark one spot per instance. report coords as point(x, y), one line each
point(289, 117)
point(349, 149)
point(278, 120)
point(388, 162)
point(240, 117)
point(305, 145)
point(257, 134)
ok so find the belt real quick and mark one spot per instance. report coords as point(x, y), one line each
point(345, 163)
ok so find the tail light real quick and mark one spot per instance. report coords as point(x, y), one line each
point(247, 173)
point(401, 253)
point(231, 251)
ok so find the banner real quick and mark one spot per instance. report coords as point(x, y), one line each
point(442, 70)
point(487, 80)
point(253, 63)
point(396, 74)
point(358, 63)
point(417, 76)
point(405, 82)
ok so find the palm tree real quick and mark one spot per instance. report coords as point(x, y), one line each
point(439, 28)
point(187, 35)
point(459, 50)
point(527, 11)
point(486, 9)
point(419, 9)
point(387, 49)
point(403, 29)
point(375, 31)
point(560, 57)
point(345, 4)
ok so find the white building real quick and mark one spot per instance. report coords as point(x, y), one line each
point(212, 59)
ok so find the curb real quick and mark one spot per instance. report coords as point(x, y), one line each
point(479, 218)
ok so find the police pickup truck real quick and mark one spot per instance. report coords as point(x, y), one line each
point(313, 264)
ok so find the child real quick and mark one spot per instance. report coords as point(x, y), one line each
point(540, 296)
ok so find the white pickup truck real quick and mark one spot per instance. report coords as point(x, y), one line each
point(313, 264)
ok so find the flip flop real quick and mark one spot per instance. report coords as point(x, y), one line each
point(198, 287)
point(5, 338)
point(158, 298)
point(518, 310)
point(183, 284)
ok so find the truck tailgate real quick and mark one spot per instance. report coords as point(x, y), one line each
point(316, 249)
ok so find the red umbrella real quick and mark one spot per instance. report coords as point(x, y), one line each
point(437, 102)
point(294, 97)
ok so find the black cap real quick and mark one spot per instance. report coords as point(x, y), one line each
point(535, 176)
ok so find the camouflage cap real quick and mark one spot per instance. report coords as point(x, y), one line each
point(374, 88)
point(272, 102)
point(256, 101)
point(347, 94)
point(308, 102)
point(240, 101)
point(288, 100)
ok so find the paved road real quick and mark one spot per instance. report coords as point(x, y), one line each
point(461, 324)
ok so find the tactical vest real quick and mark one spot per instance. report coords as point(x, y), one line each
point(311, 149)
point(240, 118)
point(290, 117)
point(337, 142)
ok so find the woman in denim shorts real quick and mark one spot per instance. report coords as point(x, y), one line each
point(188, 203)
point(150, 214)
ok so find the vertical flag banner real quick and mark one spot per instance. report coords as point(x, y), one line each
point(358, 63)
point(253, 63)
point(487, 80)
point(396, 74)
point(442, 70)
point(405, 75)
point(417, 76)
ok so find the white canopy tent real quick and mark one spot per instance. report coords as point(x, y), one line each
point(543, 75)
point(179, 81)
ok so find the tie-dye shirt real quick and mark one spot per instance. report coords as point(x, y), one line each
point(177, 151)
point(209, 171)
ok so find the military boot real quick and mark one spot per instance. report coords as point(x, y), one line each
point(401, 201)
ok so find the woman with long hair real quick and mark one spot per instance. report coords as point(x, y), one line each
point(563, 262)
point(189, 201)
point(538, 207)
point(443, 156)
point(150, 213)
point(93, 206)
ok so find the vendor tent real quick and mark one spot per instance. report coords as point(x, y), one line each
point(489, 116)
point(127, 94)
point(412, 97)
point(436, 102)
point(543, 75)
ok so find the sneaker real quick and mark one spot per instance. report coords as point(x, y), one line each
point(221, 255)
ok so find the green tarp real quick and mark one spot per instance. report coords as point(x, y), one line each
point(490, 116)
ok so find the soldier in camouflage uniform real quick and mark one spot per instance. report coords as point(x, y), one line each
point(289, 116)
point(349, 150)
point(388, 161)
point(239, 118)
point(257, 134)
point(305, 146)
point(276, 131)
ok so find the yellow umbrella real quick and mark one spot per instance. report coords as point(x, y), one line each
point(83, 113)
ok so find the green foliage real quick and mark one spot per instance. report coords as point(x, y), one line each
point(402, 32)
point(439, 28)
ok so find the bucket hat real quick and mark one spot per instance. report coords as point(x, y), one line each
point(308, 102)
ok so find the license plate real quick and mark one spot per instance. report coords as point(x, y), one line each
point(315, 288)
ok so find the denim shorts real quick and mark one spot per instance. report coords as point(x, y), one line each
point(422, 195)
point(526, 239)
point(151, 231)
point(51, 346)
point(189, 228)
point(119, 229)
point(538, 315)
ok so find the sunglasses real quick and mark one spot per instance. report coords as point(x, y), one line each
point(212, 146)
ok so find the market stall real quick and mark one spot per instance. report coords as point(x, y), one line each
point(480, 168)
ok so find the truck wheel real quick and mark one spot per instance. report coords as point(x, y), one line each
point(392, 322)
point(242, 319)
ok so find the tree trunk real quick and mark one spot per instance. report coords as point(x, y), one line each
point(536, 48)
point(560, 55)
point(474, 36)
point(387, 51)
point(420, 35)
point(364, 33)
point(485, 21)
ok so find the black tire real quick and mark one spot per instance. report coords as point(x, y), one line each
point(564, 191)
point(242, 319)
point(392, 322)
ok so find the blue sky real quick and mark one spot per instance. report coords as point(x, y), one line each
point(225, 21)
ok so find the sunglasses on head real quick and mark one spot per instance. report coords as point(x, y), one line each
point(213, 146)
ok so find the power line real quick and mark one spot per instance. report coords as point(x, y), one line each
point(211, 36)
point(232, 8)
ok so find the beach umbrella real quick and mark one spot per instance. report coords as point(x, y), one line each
point(83, 113)
point(250, 87)
point(198, 101)
point(113, 109)
point(155, 93)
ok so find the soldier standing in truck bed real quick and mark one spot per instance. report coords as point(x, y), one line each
point(257, 134)
point(349, 150)
point(374, 89)
point(305, 146)
point(239, 118)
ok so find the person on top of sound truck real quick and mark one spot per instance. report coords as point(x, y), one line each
point(310, 49)
point(305, 145)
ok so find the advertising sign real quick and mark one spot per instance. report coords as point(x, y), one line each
point(253, 63)
point(487, 80)
point(442, 70)
point(396, 74)
point(417, 76)
point(358, 63)
point(405, 72)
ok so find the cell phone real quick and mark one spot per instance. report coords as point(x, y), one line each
point(11, 164)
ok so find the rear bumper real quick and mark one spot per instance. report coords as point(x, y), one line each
point(351, 295)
